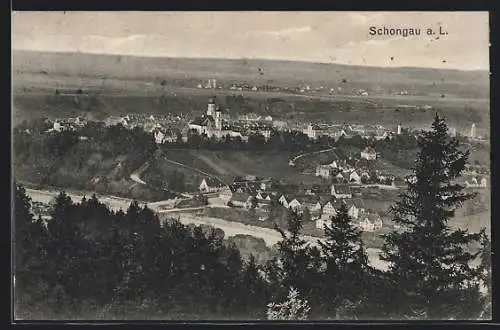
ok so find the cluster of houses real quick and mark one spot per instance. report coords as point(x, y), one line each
point(477, 183)
point(254, 192)
point(341, 172)
point(377, 132)
point(66, 124)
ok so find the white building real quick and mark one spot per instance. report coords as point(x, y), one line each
point(341, 191)
point(283, 201)
point(159, 137)
point(473, 130)
point(368, 154)
point(209, 185)
point(323, 171)
point(329, 209)
point(354, 177)
point(294, 204)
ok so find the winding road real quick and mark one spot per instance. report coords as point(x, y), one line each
point(294, 159)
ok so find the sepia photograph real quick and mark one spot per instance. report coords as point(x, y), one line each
point(250, 166)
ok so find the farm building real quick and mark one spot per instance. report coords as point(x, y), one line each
point(210, 185)
point(341, 191)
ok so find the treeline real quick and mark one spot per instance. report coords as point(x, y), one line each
point(92, 157)
point(126, 141)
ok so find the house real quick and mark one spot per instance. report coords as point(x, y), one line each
point(370, 223)
point(262, 199)
point(341, 191)
point(354, 177)
point(264, 185)
point(483, 183)
point(329, 209)
point(57, 126)
point(313, 131)
point(366, 225)
point(294, 204)
point(283, 201)
point(323, 171)
point(365, 176)
point(340, 177)
point(316, 208)
point(225, 194)
point(159, 137)
point(322, 221)
point(210, 185)
point(355, 207)
point(377, 224)
point(268, 118)
point(368, 154)
point(333, 164)
point(241, 200)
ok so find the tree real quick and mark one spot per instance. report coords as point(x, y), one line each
point(306, 215)
point(252, 214)
point(255, 294)
point(293, 308)
point(29, 248)
point(346, 261)
point(294, 256)
point(428, 261)
point(485, 267)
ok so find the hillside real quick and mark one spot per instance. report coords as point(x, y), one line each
point(464, 83)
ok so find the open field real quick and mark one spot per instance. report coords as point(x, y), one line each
point(227, 164)
point(119, 84)
point(464, 83)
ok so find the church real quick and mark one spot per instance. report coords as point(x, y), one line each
point(213, 123)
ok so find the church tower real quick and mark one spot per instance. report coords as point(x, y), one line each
point(211, 108)
point(218, 119)
point(473, 130)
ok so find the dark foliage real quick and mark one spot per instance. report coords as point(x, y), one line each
point(429, 262)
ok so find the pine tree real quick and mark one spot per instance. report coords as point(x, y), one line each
point(346, 262)
point(29, 248)
point(485, 267)
point(292, 309)
point(429, 262)
point(294, 255)
point(255, 291)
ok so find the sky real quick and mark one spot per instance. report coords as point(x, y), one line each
point(325, 37)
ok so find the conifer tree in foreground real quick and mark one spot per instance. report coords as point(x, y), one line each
point(429, 262)
point(294, 264)
point(345, 276)
point(485, 267)
point(292, 309)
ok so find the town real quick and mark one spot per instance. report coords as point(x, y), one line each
point(343, 178)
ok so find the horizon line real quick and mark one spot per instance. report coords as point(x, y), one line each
point(245, 58)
